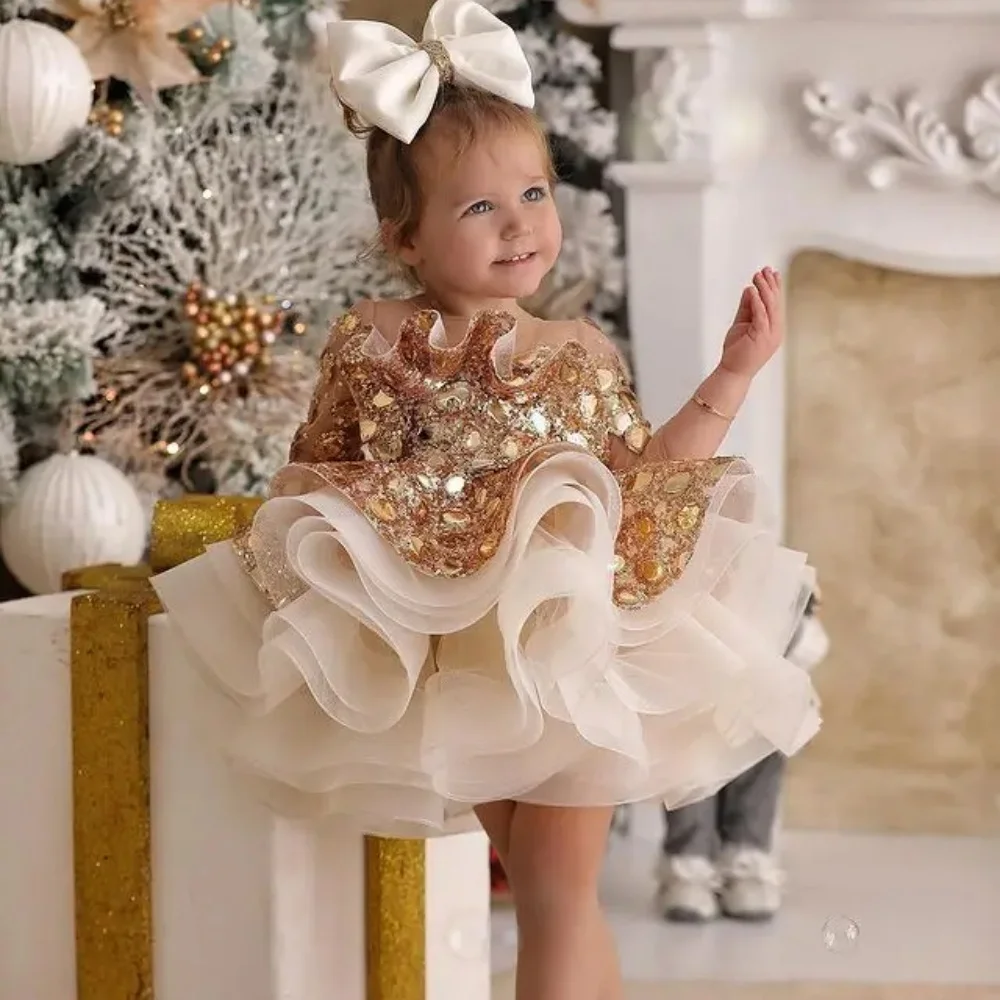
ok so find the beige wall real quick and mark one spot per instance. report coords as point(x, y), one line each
point(894, 480)
point(407, 14)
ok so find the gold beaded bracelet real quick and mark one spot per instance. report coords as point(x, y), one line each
point(706, 405)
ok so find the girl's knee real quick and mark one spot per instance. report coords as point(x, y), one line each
point(556, 855)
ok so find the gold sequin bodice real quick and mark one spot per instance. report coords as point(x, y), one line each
point(477, 407)
point(430, 442)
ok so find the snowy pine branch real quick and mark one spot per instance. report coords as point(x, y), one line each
point(10, 10)
point(8, 453)
point(47, 350)
point(35, 262)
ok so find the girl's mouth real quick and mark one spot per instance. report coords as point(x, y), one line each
point(520, 258)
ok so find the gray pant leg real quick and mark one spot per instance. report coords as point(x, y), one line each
point(748, 805)
point(692, 830)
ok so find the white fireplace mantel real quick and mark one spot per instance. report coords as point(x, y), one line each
point(605, 12)
point(756, 129)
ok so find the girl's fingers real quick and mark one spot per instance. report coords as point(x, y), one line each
point(767, 293)
point(758, 311)
point(743, 309)
point(773, 282)
point(771, 293)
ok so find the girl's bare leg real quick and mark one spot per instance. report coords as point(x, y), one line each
point(554, 860)
point(497, 819)
point(612, 987)
point(582, 828)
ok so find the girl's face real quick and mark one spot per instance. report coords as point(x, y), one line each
point(489, 232)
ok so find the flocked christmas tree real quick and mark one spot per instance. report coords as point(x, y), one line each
point(567, 74)
point(208, 227)
point(170, 268)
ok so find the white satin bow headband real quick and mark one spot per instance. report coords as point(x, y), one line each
point(391, 81)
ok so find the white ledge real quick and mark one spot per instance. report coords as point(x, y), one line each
point(606, 12)
point(677, 175)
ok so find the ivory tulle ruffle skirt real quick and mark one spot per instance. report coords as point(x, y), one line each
point(400, 699)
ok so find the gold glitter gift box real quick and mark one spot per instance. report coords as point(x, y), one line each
point(112, 828)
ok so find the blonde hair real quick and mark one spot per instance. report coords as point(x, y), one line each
point(462, 114)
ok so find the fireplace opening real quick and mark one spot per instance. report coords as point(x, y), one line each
point(893, 487)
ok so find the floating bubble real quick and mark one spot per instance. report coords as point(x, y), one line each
point(840, 934)
point(468, 935)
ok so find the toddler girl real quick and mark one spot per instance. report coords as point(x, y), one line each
point(482, 590)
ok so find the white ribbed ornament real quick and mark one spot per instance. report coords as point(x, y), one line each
point(70, 511)
point(46, 92)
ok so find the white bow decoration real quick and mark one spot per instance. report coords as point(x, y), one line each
point(390, 81)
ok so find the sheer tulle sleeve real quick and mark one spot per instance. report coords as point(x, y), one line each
point(330, 431)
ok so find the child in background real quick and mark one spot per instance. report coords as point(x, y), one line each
point(718, 853)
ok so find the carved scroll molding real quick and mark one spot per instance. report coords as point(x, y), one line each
point(673, 110)
point(891, 139)
point(675, 73)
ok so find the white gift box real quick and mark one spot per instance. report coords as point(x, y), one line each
point(245, 904)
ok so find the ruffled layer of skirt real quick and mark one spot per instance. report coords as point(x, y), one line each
point(400, 700)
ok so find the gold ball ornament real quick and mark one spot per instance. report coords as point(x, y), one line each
point(229, 336)
point(109, 118)
point(120, 14)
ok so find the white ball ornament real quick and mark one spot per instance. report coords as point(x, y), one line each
point(46, 92)
point(70, 511)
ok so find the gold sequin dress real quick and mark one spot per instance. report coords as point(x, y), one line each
point(452, 598)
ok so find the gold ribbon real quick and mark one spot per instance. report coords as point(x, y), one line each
point(395, 919)
point(111, 820)
point(183, 528)
point(111, 824)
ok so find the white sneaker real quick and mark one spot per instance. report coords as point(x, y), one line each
point(811, 644)
point(751, 884)
point(688, 887)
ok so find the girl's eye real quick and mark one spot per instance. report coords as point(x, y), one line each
point(536, 194)
point(480, 208)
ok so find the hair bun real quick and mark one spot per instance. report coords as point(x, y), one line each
point(355, 125)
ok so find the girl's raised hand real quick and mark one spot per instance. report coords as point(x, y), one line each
point(758, 328)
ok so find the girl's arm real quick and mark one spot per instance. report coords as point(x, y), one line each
point(330, 431)
point(698, 429)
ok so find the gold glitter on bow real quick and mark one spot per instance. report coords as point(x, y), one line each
point(438, 55)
